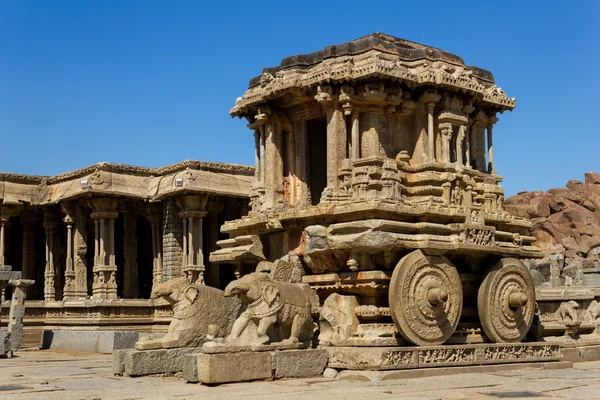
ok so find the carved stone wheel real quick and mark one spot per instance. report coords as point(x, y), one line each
point(506, 301)
point(425, 298)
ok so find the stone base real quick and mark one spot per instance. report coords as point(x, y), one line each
point(149, 362)
point(5, 344)
point(579, 349)
point(244, 366)
point(375, 376)
point(391, 358)
point(581, 353)
point(92, 341)
point(215, 347)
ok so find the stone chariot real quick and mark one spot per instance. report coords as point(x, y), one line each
point(375, 179)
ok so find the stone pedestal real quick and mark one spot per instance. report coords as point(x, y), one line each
point(105, 342)
point(391, 358)
point(149, 362)
point(244, 366)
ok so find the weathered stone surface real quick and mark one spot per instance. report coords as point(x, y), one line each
point(150, 362)
point(5, 344)
point(275, 311)
point(337, 319)
point(94, 341)
point(118, 361)
point(566, 223)
point(17, 311)
point(387, 358)
point(233, 367)
point(300, 363)
point(190, 368)
point(195, 308)
point(330, 373)
point(87, 376)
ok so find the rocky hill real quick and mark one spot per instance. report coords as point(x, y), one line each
point(566, 223)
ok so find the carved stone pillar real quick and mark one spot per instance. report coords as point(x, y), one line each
point(305, 195)
point(28, 221)
point(355, 134)
point(446, 136)
point(490, 153)
point(271, 159)
point(430, 99)
point(154, 215)
point(477, 142)
point(3, 222)
point(467, 110)
point(257, 156)
point(460, 138)
point(69, 288)
point(80, 252)
point(105, 268)
point(212, 270)
point(467, 148)
point(49, 226)
point(131, 284)
point(192, 213)
point(335, 118)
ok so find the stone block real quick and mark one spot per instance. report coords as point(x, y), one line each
point(190, 368)
point(300, 363)
point(118, 361)
point(5, 345)
point(581, 353)
point(233, 367)
point(92, 341)
point(152, 362)
point(390, 358)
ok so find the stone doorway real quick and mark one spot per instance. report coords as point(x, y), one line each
point(317, 157)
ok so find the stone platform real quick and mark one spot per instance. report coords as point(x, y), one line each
point(392, 358)
point(70, 375)
point(92, 341)
point(245, 366)
point(134, 362)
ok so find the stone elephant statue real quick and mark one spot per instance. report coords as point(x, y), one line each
point(274, 311)
point(198, 310)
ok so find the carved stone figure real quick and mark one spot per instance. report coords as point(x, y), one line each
point(275, 311)
point(195, 308)
point(567, 312)
point(567, 315)
point(592, 314)
point(337, 319)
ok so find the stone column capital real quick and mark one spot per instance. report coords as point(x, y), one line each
point(103, 204)
point(325, 96)
point(191, 202)
point(492, 120)
point(192, 214)
point(110, 215)
point(430, 98)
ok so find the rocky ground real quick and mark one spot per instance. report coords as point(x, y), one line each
point(57, 375)
point(566, 222)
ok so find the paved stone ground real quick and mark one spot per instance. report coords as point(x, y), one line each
point(61, 375)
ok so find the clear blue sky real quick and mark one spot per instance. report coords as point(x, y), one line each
point(151, 82)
